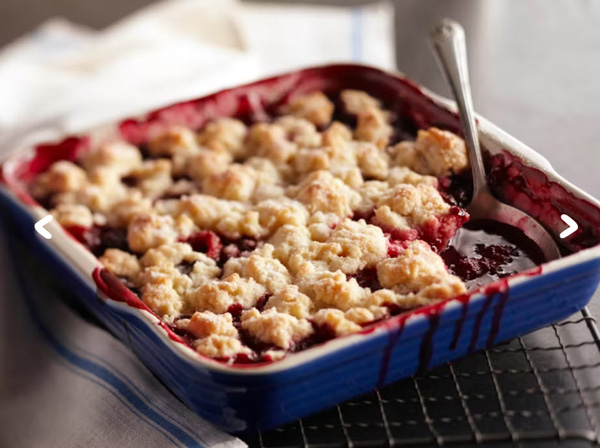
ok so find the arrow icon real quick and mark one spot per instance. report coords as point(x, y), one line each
point(39, 227)
point(572, 226)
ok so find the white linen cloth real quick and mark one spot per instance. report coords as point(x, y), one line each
point(63, 381)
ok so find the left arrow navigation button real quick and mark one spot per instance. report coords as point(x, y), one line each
point(39, 227)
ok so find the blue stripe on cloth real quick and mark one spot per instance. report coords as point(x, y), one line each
point(123, 377)
point(101, 373)
point(356, 34)
point(115, 370)
point(127, 405)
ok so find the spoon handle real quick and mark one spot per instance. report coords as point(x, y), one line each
point(448, 41)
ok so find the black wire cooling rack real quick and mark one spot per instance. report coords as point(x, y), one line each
point(542, 389)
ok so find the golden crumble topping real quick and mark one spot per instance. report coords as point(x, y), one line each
point(208, 162)
point(224, 134)
point(121, 263)
point(406, 206)
point(124, 210)
point(355, 101)
point(221, 347)
point(203, 324)
point(373, 162)
point(262, 267)
point(146, 231)
point(236, 183)
point(174, 254)
point(177, 143)
point(120, 157)
point(373, 127)
point(302, 132)
point(256, 239)
point(350, 246)
point(336, 320)
point(176, 140)
point(435, 152)
point(276, 213)
point(217, 296)
point(270, 141)
point(404, 175)
point(159, 294)
point(102, 192)
point(73, 215)
point(331, 289)
point(320, 191)
point(153, 177)
point(337, 134)
point(61, 177)
point(415, 268)
point(364, 315)
point(272, 327)
point(314, 107)
point(288, 240)
point(291, 301)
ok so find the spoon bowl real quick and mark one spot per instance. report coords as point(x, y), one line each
point(448, 42)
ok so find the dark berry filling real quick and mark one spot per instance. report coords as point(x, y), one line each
point(440, 231)
point(321, 334)
point(97, 239)
point(185, 267)
point(206, 242)
point(237, 248)
point(485, 251)
point(366, 215)
point(187, 336)
point(437, 232)
point(130, 181)
point(367, 278)
point(456, 189)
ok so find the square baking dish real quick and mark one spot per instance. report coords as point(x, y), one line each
point(264, 396)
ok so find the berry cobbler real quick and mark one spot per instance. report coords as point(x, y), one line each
point(254, 240)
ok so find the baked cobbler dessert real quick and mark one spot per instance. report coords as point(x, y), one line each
point(253, 240)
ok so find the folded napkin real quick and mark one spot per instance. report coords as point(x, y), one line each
point(65, 382)
point(66, 78)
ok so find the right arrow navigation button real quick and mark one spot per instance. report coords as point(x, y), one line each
point(572, 226)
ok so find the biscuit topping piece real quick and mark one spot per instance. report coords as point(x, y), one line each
point(272, 327)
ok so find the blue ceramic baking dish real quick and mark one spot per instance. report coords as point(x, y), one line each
point(265, 396)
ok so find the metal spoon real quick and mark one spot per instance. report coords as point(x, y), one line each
point(448, 41)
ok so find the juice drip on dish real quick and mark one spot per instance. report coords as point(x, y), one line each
point(503, 293)
point(394, 333)
point(460, 323)
point(478, 320)
point(426, 349)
